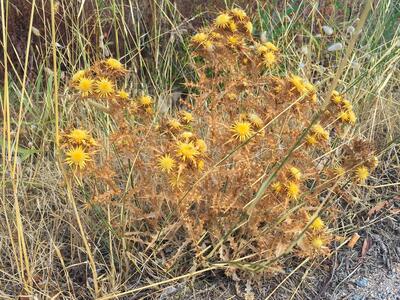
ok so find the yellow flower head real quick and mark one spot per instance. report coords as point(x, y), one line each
point(208, 45)
point(123, 95)
point(293, 190)
point(199, 38)
point(186, 116)
point(270, 46)
point(319, 132)
point(256, 120)
point(78, 75)
point(311, 140)
point(114, 64)
point(166, 163)
point(276, 187)
point(242, 130)
point(336, 98)
point(361, 174)
point(104, 87)
point(186, 151)
point(339, 171)
point(232, 26)
point(374, 162)
point(298, 84)
point(222, 21)
point(347, 104)
point(249, 27)
point(317, 242)
point(295, 173)
point(78, 136)
point(317, 224)
point(239, 13)
point(145, 100)
point(269, 59)
point(174, 124)
point(186, 135)
point(201, 145)
point(352, 117)
point(234, 40)
point(77, 157)
point(85, 86)
point(200, 165)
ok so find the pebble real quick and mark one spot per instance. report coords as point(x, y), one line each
point(362, 282)
point(328, 30)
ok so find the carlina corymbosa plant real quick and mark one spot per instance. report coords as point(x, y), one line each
point(186, 178)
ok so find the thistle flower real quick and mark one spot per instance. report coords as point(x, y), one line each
point(123, 95)
point(200, 165)
point(234, 40)
point(174, 124)
point(232, 26)
point(347, 104)
point(166, 163)
point(311, 140)
point(317, 224)
point(361, 174)
point(85, 86)
point(208, 45)
point(336, 98)
point(186, 135)
point(242, 130)
point(78, 136)
point(77, 157)
point(201, 145)
point(256, 120)
point(320, 132)
point(78, 75)
point(276, 187)
point(186, 151)
point(249, 27)
point(239, 13)
point(339, 171)
point(104, 87)
point(114, 64)
point(186, 116)
point(317, 242)
point(145, 100)
point(269, 59)
point(295, 173)
point(222, 21)
point(298, 84)
point(199, 38)
point(292, 190)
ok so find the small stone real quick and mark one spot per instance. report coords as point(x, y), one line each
point(335, 47)
point(328, 30)
point(362, 282)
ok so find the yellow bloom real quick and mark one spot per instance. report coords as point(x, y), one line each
point(295, 173)
point(347, 104)
point(242, 130)
point(352, 117)
point(186, 151)
point(85, 86)
point(77, 157)
point(78, 75)
point(317, 243)
point(201, 145)
point(208, 45)
point(361, 174)
point(269, 59)
point(339, 171)
point(199, 38)
point(336, 98)
point(234, 40)
point(78, 136)
point(298, 84)
point(317, 224)
point(239, 13)
point(145, 100)
point(174, 124)
point(123, 95)
point(320, 132)
point(293, 190)
point(276, 187)
point(270, 46)
point(186, 135)
point(222, 21)
point(104, 87)
point(374, 162)
point(249, 27)
point(232, 26)
point(166, 163)
point(311, 140)
point(200, 165)
point(187, 117)
point(256, 120)
point(114, 64)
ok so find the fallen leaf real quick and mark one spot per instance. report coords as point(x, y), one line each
point(377, 208)
point(353, 240)
point(366, 246)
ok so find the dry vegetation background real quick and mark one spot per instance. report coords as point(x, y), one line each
point(43, 220)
